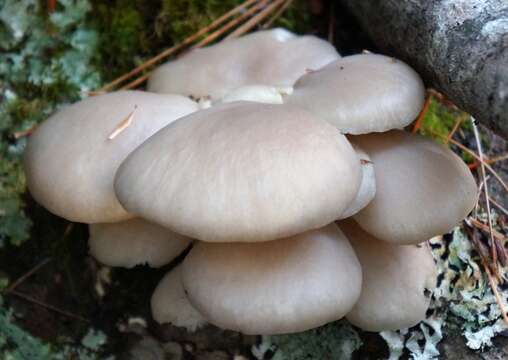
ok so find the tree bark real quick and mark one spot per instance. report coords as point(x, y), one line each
point(459, 47)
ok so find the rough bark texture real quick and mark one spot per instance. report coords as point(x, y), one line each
point(460, 47)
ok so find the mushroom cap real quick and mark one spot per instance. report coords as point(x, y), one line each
point(240, 172)
point(256, 93)
point(423, 188)
point(362, 93)
point(70, 163)
point(274, 57)
point(367, 189)
point(135, 242)
point(397, 281)
point(282, 286)
point(170, 303)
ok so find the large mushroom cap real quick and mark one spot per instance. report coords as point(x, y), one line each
point(170, 303)
point(280, 286)
point(135, 242)
point(423, 188)
point(362, 93)
point(367, 189)
point(241, 172)
point(272, 57)
point(397, 281)
point(70, 163)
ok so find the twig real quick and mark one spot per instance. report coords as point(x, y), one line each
point(168, 52)
point(485, 228)
point(491, 160)
point(486, 193)
point(48, 306)
point(256, 19)
point(32, 271)
point(23, 133)
point(421, 115)
point(277, 14)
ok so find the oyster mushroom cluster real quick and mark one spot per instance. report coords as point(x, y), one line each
point(285, 166)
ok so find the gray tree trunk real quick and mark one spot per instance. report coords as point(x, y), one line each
point(460, 47)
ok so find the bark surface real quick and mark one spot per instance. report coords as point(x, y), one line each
point(460, 47)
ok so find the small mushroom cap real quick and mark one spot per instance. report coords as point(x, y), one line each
point(256, 93)
point(367, 189)
point(272, 57)
point(241, 172)
point(282, 286)
point(170, 303)
point(135, 242)
point(70, 163)
point(423, 188)
point(362, 93)
point(397, 281)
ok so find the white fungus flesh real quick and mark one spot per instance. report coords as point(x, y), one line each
point(135, 242)
point(70, 160)
point(367, 189)
point(282, 286)
point(170, 304)
point(422, 188)
point(241, 172)
point(398, 281)
point(255, 93)
point(274, 57)
point(362, 93)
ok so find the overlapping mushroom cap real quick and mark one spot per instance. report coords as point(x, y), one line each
point(274, 57)
point(280, 286)
point(135, 242)
point(70, 163)
point(170, 304)
point(241, 172)
point(397, 281)
point(362, 93)
point(423, 188)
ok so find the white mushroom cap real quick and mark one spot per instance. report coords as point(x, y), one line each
point(274, 287)
point(70, 163)
point(362, 93)
point(397, 281)
point(170, 303)
point(256, 93)
point(367, 189)
point(272, 57)
point(423, 188)
point(135, 242)
point(241, 172)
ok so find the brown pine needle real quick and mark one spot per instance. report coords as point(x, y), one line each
point(499, 206)
point(456, 126)
point(485, 228)
point(493, 286)
point(473, 154)
point(493, 247)
point(124, 124)
point(48, 306)
point(256, 19)
point(32, 271)
point(421, 116)
point(168, 52)
point(490, 161)
point(231, 24)
point(277, 14)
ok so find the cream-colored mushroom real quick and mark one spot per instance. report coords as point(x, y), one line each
point(170, 303)
point(241, 172)
point(367, 189)
point(274, 57)
point(362, 93)
point(422, 188)
point(70, 160)
point(135, 242)
point(398, 281)
point(282, 286)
